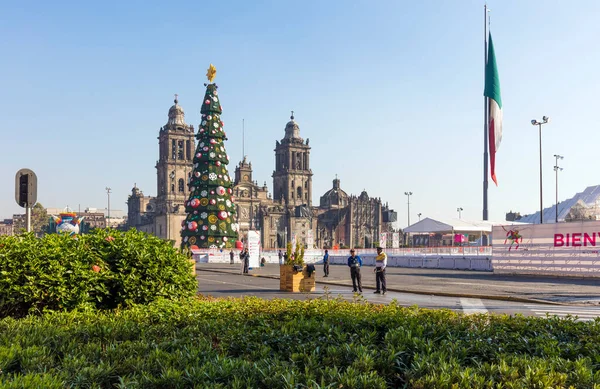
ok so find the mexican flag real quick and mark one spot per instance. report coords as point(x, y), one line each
point(492, 92)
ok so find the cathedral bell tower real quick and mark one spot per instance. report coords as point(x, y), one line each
point(292, 177)
point(174, 167)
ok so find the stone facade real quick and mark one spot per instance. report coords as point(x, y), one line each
point(6, 227)
point(288, 216)
point(162, 215)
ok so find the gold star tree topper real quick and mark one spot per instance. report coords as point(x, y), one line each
point(211, 72)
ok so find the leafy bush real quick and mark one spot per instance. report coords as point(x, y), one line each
point(103, 269)
point(254, 343)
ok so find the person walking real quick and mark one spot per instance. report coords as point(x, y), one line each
point(245, 257)
point(354, 263)
point(326, 264)
point(280, 255)
point(231, 255)
point(380, 265)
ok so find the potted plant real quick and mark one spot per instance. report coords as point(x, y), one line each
point(293, 274)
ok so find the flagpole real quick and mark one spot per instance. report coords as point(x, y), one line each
point(485, 120)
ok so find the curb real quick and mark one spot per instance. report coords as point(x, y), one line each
point(428, 293)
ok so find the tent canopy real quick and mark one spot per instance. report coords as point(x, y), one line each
point(429, 225)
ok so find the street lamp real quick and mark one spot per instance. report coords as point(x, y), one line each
point(408, 194)
point(534, 122)
point(419, 215)
point(556, 169)
point(108, 194)
point(459, 209)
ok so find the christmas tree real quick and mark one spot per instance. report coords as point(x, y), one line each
point(210, 210)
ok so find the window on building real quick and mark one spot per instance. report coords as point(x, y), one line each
point(181, 185)
point(173, 188)
point(173, 149)
point(299, 190)
point(180, 151)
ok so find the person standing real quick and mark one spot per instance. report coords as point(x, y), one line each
point(380, 265)
point(354, 263)
point(326, 264)
point(231, 255)
point(245, 257)
point(280, 255)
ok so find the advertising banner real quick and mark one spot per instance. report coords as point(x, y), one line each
point(558, 248)
point(254, 248)
point(383, 239)
point(395, 240)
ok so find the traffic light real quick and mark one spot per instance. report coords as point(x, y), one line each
point(23, 190)
point(26, 188)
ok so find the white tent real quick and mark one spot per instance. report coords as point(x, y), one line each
point(429, 225)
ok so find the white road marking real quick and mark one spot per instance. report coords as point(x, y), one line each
point(233, 283)
point(582, 313)
point(471, 306)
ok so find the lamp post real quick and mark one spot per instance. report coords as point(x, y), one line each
point(534, 122)
point(556, 169)
point(408, 194)
point(108, 194)
point(419, 215)
point(459, 209)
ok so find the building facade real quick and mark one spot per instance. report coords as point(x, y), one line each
point(287, 216)
point(6, 227)
point(162, 215)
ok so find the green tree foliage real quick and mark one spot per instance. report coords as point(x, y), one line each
point(39, 221)
point(103, 269)
point(210, 210)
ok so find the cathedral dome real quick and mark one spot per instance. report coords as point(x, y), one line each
point(334, 197)
point(292, 130)
point(176, 114)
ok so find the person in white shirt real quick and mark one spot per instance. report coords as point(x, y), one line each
point(380, 264)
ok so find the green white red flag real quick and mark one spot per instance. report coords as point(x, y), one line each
point(492, 92)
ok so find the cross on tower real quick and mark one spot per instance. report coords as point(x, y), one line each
point(292, 117)
point(176, 95)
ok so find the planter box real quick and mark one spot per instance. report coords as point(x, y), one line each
point(291, 281)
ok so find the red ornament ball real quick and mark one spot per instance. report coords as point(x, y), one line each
point(192, 226)
point(195, 203)
point(218, 163)
point(222, 215)
point(207, 102)
point(199, 155)
point(213, 201)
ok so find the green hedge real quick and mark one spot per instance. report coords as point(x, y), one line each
point(103, 269)
point(253, 343)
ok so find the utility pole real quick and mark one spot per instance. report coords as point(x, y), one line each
point(556, 169)
point(108, 194)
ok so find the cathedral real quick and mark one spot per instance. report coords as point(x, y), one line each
point(340, 220)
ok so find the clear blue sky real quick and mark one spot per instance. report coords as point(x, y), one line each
point(389, 93)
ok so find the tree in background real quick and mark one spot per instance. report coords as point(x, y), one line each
point(209, 222)
point(39, 221)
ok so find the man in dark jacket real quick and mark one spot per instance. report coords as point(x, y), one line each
point(245, 257)
point(354, 263)
point(326, 264)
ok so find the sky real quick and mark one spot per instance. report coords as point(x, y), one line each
point(390, 94)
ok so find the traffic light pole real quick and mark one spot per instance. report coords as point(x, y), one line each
point(28, 217)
